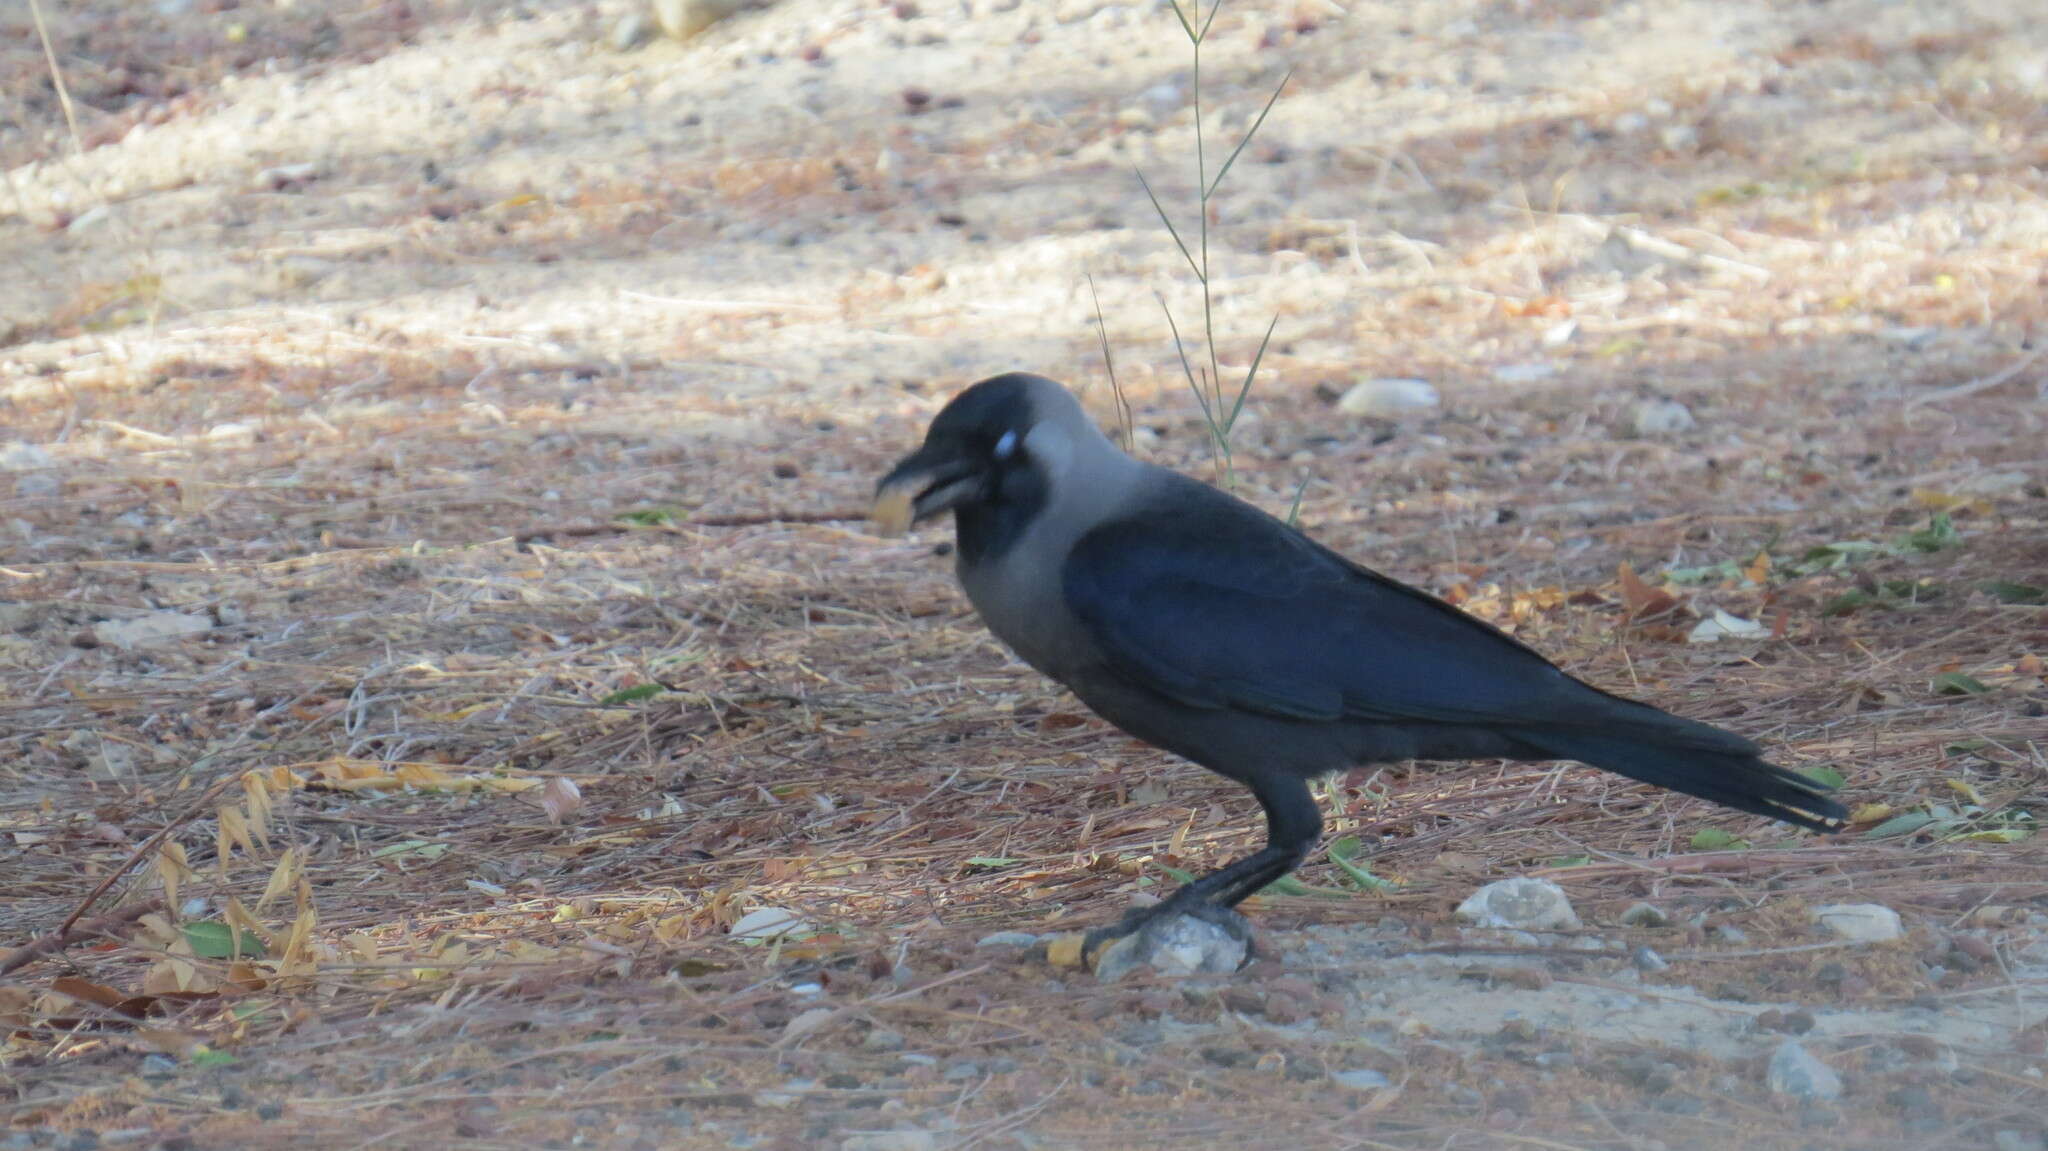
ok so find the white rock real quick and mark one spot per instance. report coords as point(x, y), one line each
point(1388, 397)
point(633, 29)
point(1522, 904)
point(22, 457)
point(1528, 373)
point(1861, 922)
point(143, 630)
point(1661, 418)
point(1361, 1080)
point(1795, 1072)
point(286, 176)
point(767, 923)
point(683, 19)
point(808, 1022)
point(1007, 939)
point(1645, 915)
point(1721, 625)
point(890, 1141)
point(1175, 945)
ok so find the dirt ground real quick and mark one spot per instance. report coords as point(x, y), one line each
point(434, 608)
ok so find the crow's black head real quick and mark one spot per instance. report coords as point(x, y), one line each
point(991, 456)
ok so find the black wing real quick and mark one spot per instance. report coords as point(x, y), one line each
point(1215, 604)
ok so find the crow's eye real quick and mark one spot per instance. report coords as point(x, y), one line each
point(1007, 446)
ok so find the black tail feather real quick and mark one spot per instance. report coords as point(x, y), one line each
point(1732, 779)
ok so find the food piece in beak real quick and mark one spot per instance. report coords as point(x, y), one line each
point(891, 513)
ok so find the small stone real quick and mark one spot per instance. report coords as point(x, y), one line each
point(22, 457)
point(1648, 960)
point(764, 923)
point(807, 1022)
point(1533, 372)
point(1521, 903)
point(1679, 137)
point(286, 177)
point(2010, 1140)
point(1661, 418)
point(959, 1072)
point(882, 1039)
point(1645, 915)
point(1974, 947)
point(683, 19)
point(633, 29)
point(890, 1141)
point(143, 630)
point(1729, 933)
point(1008, 939)
point(1861, 922)
point(1174, 945)
point(1794, 1071)
point(1361, 1080)
point(789, 1096)
point(1388, 397)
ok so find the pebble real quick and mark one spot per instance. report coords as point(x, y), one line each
point(1661, 418)
point(1647, 960)
point(790, 1095)
point(1361, 1080)
point(767, 923)
point(1861, 922)
point(890, 1141)
point(1645, 915)
point(962, 1071)
point(1008, 939)
point(1528, 373)
point(1794, 1071)
point(883, 1039)
point(143, 630)
point(1176, 945)
point(683, 19)
point(1520, 903)
point(633, 29)
point(22, 457)
point(1388, 397)
point(807, 1022)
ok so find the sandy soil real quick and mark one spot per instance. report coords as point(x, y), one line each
point(425, 375)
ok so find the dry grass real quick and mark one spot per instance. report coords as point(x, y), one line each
point(420, 594)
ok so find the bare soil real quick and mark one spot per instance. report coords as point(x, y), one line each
point(410, 409)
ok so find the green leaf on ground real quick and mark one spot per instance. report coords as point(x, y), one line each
point(1715, 839)
point(1344, 852)
point(213, 939)
point(1825, 776)
point(1956, 683)
point(632, 694)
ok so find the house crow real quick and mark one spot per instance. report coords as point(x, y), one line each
point(1206, 627)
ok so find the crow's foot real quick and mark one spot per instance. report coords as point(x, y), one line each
point(1174, 938)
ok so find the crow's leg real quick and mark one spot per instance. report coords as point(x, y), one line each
point(1293, 825)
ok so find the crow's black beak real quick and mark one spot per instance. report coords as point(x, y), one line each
point(935, 478)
